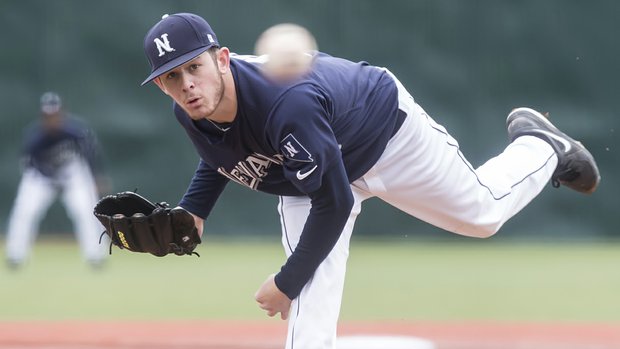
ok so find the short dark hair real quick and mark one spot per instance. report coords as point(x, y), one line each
point(212, 51)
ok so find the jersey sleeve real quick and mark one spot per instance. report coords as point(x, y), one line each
point(331, 207)
point(312, 161)
point(203, 191)
point(300, 130)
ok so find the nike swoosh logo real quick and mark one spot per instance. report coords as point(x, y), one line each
point(302, 176)
point(565, 143)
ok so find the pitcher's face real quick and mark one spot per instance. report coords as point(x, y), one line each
point(196, 86)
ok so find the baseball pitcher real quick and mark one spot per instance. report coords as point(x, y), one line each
point(326, 141)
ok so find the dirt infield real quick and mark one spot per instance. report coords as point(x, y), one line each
point(271, 334)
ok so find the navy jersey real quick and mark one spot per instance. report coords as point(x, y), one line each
point(49, 150)
point(312, 137)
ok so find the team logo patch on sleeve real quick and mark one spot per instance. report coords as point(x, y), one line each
point(293, 150)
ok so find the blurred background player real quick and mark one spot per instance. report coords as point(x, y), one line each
point(60, 155)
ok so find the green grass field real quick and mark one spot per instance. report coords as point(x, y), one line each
point(479, 280)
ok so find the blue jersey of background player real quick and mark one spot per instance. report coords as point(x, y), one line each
point(57, 139)
point(276, 146)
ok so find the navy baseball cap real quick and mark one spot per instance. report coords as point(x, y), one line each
point(175, 40)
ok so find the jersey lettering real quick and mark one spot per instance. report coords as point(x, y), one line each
point(250, 171)
point(257, 165)
point(163, 45)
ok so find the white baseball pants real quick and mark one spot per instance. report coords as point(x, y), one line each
point(35, 195)
point(423, 173)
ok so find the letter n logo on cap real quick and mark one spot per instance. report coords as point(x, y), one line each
point(163, 45)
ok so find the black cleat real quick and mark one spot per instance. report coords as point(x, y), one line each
point(576, 167)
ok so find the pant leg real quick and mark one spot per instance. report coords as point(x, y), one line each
point(314, 313)
point(35, 194)
point(423, 173)
point(80, 197)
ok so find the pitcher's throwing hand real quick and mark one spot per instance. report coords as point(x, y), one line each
point(271, 299)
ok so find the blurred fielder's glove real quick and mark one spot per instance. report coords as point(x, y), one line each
point(136, 224)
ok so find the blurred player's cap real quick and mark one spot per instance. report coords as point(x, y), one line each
point(50, 103)
point(175, 40)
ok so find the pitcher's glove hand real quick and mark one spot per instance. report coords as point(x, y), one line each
point(136, 224)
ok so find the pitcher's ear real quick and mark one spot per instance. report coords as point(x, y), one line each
point(223, 60)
